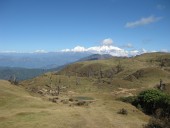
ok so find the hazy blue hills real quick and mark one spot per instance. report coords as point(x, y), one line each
point(19, 73)
point(29, 65)
point(39, 60)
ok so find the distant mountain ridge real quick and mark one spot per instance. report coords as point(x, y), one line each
point(96, 57)
point(30, 71)
point(19, 73)
point(39, 60)
point(28, 62)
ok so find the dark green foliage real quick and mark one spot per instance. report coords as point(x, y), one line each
point(151, 100)
point(155, 103)
point(158, 123)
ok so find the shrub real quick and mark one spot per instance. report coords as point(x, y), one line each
point(82, 103)
point(158, 123)
point(151, 100)
point(71, 99)
point(65, 101)
point(123, 111)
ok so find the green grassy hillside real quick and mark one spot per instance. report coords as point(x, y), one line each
point(142, 70)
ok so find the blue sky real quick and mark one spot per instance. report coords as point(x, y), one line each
point(54, 25)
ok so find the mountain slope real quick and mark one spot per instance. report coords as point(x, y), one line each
point(147, 65)
point(103, 81)
point(105, 75)
point(96, 57)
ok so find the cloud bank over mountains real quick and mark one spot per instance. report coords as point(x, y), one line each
point(112, 50)
point(107, 47)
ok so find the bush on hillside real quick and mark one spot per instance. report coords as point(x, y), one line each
point(151, 100)
point(155, 103)
point(158, 123)
point(123, 111)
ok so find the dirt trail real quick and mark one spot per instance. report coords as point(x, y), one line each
point(123, 91)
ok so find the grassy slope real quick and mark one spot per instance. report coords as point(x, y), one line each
point(148, 64)
point(19, 109)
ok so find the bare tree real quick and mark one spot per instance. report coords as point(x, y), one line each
point(58, 90)
point(162, 63)
point(119, 67)
point(13, 80)
point(101, 73)
point(161, 86)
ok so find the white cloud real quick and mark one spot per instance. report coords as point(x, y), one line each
point(134, 53)
point(76, 49)
point(115, 51)
point(137, 52)
point(66, 50)
point(142, 21)
point(153, 51)
point(40, 51)
point(8, 52)
point(107, 41)
point(107, 48)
